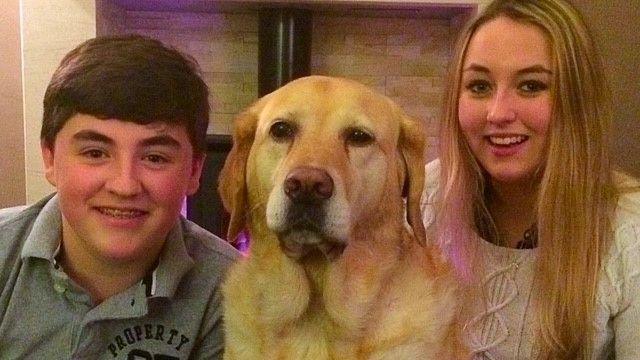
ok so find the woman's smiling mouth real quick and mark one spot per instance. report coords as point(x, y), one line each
point(501, 140)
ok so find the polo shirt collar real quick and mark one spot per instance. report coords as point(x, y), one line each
point(43, 240)
point(174, 262)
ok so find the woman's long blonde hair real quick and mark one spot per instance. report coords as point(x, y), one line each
point(576, 194)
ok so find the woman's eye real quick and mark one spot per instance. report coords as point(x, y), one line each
point(533, 86)
point(358, 137)
point(282, 131)
point(478, 87)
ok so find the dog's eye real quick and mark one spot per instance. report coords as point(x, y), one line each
point(282, 130)
point(358, 137)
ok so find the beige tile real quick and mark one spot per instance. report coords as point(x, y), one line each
point(49, 30)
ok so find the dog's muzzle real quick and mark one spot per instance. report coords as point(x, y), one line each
point(308, 190)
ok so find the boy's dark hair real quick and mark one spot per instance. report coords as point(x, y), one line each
point(130, 78)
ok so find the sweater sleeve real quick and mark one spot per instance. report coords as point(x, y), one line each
point(623, 272)
point(620, 287)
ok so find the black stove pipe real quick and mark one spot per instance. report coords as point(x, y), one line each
point(284, 47)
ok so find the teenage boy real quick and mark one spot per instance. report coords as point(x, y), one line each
point(106, 268)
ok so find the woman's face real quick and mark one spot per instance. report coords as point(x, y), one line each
point(505, 100)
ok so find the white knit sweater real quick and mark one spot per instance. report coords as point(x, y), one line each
point(501, 327)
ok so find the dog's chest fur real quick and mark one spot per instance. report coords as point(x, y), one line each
point(354, 308)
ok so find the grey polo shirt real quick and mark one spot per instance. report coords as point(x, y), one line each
point(174, 313)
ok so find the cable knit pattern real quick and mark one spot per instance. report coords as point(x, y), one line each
point(624, 263)
point(503, 292)
point(502, 324)
point(500, 320)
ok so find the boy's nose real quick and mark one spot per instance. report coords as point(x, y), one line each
point(124, 180)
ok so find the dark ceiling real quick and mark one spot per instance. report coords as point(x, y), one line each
point(371, 8)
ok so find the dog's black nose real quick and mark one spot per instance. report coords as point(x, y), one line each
point(308, 184)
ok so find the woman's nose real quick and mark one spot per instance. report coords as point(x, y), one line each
point(501, 108)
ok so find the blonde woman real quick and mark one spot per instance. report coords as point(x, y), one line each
point(523, 198)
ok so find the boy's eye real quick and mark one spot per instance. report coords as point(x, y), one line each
point(157, 159)
point(94, 153)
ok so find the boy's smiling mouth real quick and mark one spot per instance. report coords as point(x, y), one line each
point(121, 213)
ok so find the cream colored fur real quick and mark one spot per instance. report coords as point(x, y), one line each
point(385, 296)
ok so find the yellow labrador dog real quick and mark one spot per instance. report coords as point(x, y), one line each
point(316, 174)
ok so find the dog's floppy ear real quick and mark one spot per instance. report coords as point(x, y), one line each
point(412, 143)
point(232, 184)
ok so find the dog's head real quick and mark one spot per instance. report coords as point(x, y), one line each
point(319, 157)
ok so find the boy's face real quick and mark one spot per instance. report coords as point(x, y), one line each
point(121, 186)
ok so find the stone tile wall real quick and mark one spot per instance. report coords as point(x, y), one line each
point(225, 46)
point(403, 58)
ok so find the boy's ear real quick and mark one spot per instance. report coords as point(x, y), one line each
point(47, 159)
point(197, 164)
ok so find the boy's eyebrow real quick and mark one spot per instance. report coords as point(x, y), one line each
point(161, 140)
point(527, 70)
point(158, 140)
point(90, 135)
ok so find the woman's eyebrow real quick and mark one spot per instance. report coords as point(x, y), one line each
point(476, 67)
point(526, 70)
point(535, 69)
